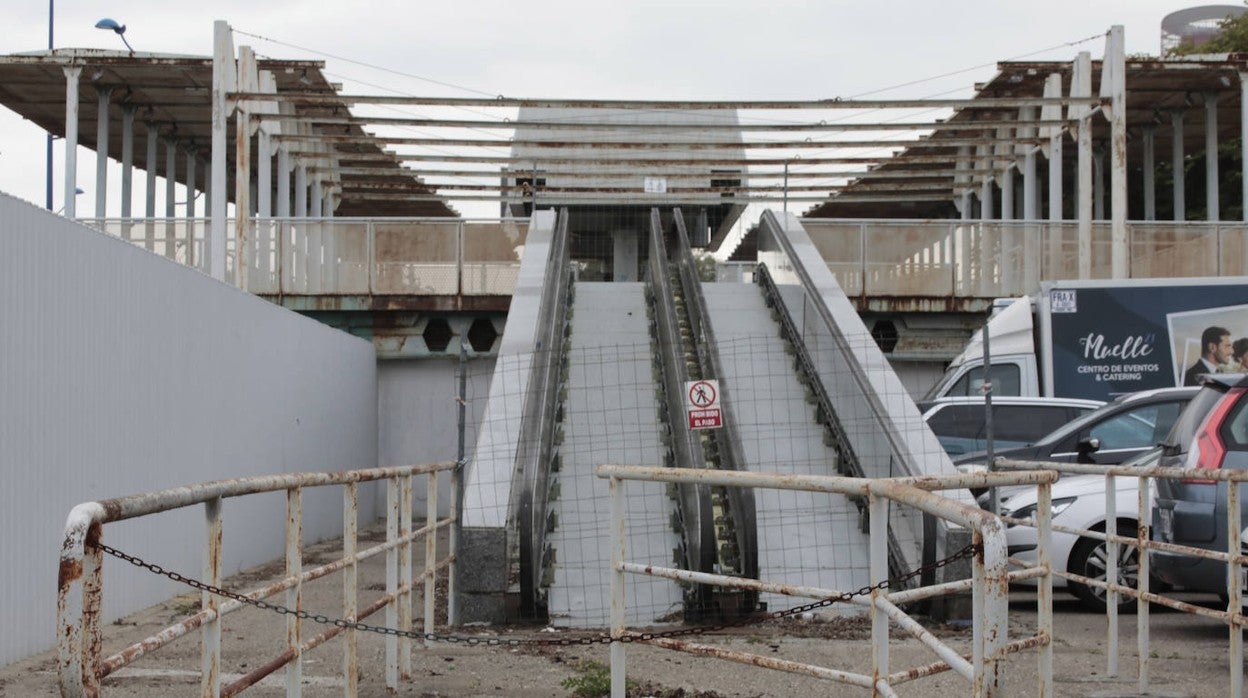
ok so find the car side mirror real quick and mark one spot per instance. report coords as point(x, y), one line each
point(1090, 444)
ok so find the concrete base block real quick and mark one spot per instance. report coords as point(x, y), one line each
point(957, 606)
point(481, 575)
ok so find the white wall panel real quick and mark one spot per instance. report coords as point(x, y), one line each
point(418, 415)
point(123, 372)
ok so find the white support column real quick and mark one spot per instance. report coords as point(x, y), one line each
point(171, 201)
point(1177, 159)
point(1115, 59)
point(987, 237)
point(1150, 173)
point(1030, 258)
point(149, 203)
point(1008, 255)
point(223, 79)
point(171, 178)
point(72, 73)
point(1098, 183)
point(1057, 134)
point(315, 209)
point(283, 183)
point(264, 202)
point(1081, 86)
point(191, 184)
point(1007, 194)
point(1212, 205)
point(101, 151)
point(300, 271)
point(127, 160)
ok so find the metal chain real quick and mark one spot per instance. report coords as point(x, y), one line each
point(598, 638)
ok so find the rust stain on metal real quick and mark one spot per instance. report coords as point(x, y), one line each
point(70, 571)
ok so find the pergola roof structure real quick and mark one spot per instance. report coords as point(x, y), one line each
point(173, 95)
point(1156, 89)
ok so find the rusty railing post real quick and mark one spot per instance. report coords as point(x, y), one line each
point(350, 588)
point(210, 650)
point(93, 593)
point(1111, 575)
point(618, 599)
point(1234, 578)
point(991, 599)
point(878, 541)
point(294, 595)
point(405, 575)
point(431, 548)
point(1044, 598)
point(392, 583)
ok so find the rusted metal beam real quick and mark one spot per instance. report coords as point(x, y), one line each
point(643, 146)
point(929, 188)
point(537, 103)
point(589, 125)
point(891, 173)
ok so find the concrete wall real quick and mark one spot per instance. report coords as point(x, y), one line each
point(418, 415)
point(124, 372)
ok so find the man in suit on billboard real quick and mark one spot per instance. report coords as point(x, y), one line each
point(1215, 349)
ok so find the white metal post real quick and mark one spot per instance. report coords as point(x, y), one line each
point(1177, 160)
point(242, 198)
point(878, 527)
point(618, 616)
point(1057, 135)
point(392, 583)
point(72, 73)
point(1212, 205)
point(1144, 502)
point(210, 663)
point(294, 595)
point(1234, 575)
point(986, 275)
point(1044, 597)
point(350, 587)
point(1111, 575)
point(431, 551)
point(1098, 182)
point(101, 151)
point(405, 576)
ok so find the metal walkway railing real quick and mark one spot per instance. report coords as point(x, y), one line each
point(80, 588)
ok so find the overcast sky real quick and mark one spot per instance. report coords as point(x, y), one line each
point(674, 50)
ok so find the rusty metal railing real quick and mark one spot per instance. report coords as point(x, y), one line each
point(989, 582)
point(80, 589)
point(1234, 618)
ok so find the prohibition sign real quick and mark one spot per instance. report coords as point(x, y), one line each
point(702, 394)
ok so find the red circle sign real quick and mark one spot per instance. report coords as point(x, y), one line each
point(702, 394)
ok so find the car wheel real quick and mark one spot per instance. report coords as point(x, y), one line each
point(1090, 558)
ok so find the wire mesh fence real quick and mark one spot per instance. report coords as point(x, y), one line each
point(611, 410)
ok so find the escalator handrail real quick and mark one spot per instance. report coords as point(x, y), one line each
point(535, 449)
point(694, 500)
point(730, 449)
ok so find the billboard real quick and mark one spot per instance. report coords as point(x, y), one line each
point(1112, 340)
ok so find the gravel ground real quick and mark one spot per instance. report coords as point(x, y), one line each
point(1188, 655)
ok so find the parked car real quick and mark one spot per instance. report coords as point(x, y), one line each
point(1109, 435)
point(1078, 501)
point(1212, 434)
point(960, 425)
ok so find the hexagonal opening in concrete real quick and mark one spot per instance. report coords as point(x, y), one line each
point(481, 335)
point(437, 335)
point(885, 334)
